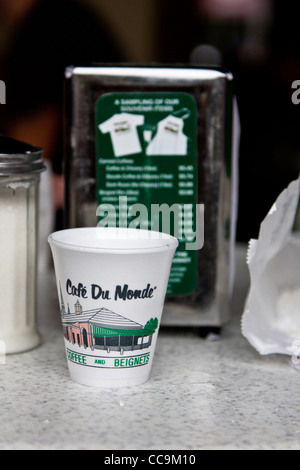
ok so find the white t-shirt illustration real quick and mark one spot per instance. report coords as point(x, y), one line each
point(169, 139)
point(123, 132)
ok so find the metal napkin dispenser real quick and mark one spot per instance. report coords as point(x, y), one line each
point(140, 138)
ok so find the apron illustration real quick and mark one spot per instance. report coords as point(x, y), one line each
point(169, 138)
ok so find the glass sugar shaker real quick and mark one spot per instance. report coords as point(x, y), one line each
point(20, 168)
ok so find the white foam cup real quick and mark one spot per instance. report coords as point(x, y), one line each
point(111, 284)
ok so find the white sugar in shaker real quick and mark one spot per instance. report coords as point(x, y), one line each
point(20, 168)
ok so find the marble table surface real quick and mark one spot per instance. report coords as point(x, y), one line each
point(215, 393)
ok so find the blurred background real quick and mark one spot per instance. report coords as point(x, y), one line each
point(257, 40)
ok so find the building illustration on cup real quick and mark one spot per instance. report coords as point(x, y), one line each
point(103, 329)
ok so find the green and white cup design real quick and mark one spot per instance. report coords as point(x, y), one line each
point(111, 286)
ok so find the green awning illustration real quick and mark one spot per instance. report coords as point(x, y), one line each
point(149, 329)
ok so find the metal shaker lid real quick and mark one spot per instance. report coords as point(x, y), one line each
point(18, 158)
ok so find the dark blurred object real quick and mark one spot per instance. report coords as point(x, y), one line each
point(49, 36)
point(205, 54)
point(270, 145)
point(259, 43)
